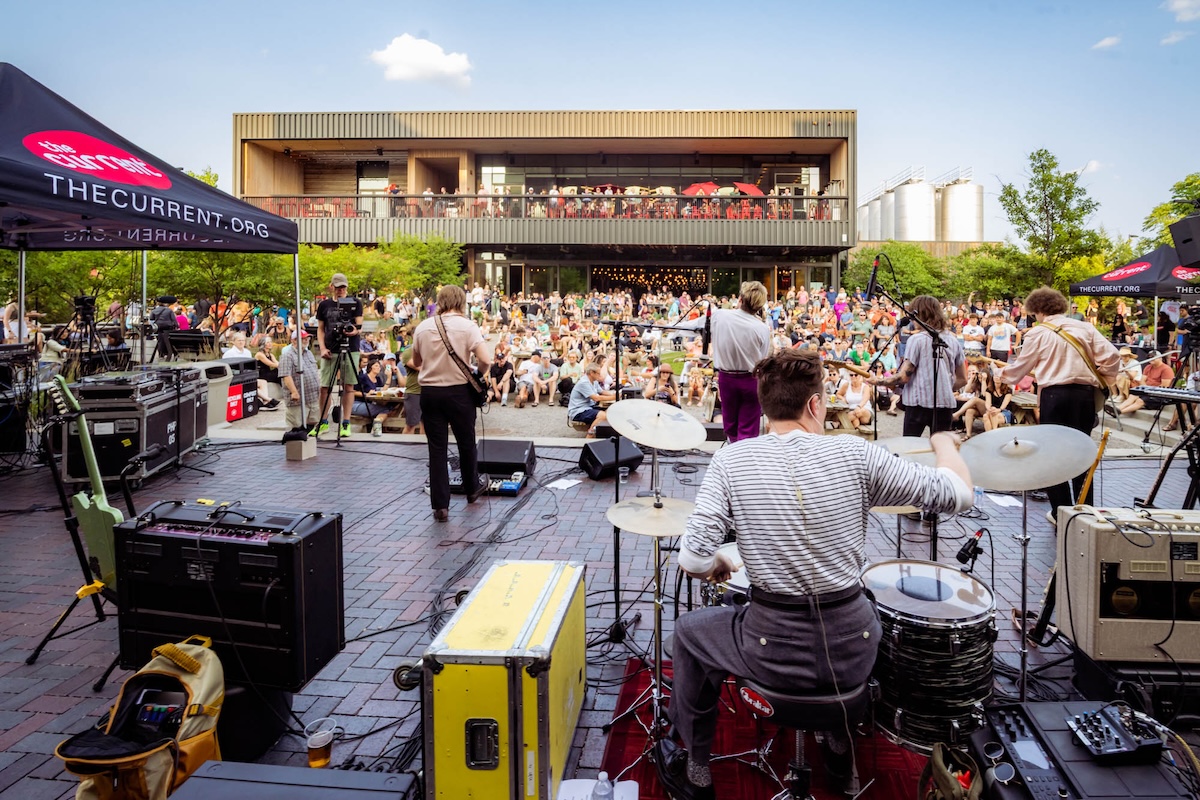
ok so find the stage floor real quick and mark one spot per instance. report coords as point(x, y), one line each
point(398, 567)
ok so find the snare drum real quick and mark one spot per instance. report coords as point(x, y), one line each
point(935, 659)
point(733, 592)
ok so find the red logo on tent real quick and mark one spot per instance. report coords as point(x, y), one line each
point(1186, 273)
point(88, 155)
point(1126, 271)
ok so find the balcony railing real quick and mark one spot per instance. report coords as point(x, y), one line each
point(555, 207)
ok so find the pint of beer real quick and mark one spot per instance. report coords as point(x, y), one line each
point(320, 741)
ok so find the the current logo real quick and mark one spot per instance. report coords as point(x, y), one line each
point(1127, 271)
point(1186, 273)
point(90, 156)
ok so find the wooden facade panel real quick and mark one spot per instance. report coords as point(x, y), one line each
point(489, 232)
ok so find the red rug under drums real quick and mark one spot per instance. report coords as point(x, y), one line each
point(896, 771)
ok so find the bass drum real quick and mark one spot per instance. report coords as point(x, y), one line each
point(935, 659)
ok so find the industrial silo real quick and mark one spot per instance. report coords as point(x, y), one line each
point(864, 221)
point(874, 221)
point(962, 212)
point(915, 217)
point(887, 216)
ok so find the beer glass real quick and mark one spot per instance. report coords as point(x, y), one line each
point(319, 738)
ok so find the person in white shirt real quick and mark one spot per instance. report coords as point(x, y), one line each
point(1002, 339)
point(529, 379)
point(973, 335)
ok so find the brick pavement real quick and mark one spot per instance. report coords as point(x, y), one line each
point(396, 561)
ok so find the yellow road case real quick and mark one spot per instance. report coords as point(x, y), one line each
point(504, 682)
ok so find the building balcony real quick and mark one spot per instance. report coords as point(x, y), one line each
point(680, 220)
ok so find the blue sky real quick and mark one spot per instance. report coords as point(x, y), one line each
point(1106, 85)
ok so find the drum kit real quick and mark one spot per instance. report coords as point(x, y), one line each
point(935, 662)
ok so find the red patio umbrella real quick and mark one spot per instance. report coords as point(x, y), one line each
point(707, 187)
point(748, 188)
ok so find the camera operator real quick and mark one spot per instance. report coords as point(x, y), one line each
point(163, 317)
point(339, 322)
point(1189, 326)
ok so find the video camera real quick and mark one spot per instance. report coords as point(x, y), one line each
point(85, 308)
point(345, 326)
point(1191, 324)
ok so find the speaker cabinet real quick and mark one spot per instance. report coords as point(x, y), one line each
point(600, 459)
point(1186, 234)
point(503, 457)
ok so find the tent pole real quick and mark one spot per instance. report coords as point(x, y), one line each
point(1156, 323)
point(22, 332)
point(299, 335)
point(142, 319)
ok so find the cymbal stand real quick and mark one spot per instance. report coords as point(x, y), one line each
point(1023, 678)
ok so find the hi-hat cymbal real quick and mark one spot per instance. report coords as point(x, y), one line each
point(639, 515)
point(911, 448)
point(1015, 459)
point(654, 424)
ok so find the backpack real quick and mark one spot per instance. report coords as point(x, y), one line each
point(161, 728)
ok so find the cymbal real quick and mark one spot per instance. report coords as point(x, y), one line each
point(654, 424)
point(638, 515)
point(912, 448)
point(1015, 459)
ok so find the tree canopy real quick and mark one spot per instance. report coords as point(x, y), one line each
point(1181, 204)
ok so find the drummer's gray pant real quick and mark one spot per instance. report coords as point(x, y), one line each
point(798, 651)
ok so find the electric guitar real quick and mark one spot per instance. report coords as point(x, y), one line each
point(96, 517)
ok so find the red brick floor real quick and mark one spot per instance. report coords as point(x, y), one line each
point(398, 566)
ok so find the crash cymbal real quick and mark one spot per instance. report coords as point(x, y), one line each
point(654, 424)
point(1015, 459)
point(912, 448)
point(639, 515)
point(894, 509)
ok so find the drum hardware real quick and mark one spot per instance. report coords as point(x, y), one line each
point(655, 425)
point(1019, 460)
point(935, 657)
point(911, 448)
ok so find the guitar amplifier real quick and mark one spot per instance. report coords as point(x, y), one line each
point(1129, 579)
point(265, 585)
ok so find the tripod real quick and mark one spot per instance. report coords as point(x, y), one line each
point(86, 354)
point(341, 360)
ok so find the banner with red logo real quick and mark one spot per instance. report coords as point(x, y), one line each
point(1155, 274)
point(69, 183)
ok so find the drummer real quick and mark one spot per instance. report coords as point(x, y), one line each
point(808, 626)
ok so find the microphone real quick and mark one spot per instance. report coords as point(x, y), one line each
point(970, 547)
point(874, 279)
point(706, 339)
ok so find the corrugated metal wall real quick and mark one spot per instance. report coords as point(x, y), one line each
point(545, 124)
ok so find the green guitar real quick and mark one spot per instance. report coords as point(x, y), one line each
point(96, 517)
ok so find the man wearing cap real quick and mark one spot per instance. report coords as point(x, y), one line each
point(298, 373)
point(333, 364)
point(1154, 373)
point(163, 317)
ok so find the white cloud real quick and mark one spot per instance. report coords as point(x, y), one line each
point(407, 58)
point(1175, 37)
point(1184, 10)
point(1091, 166)
point(1107, 42)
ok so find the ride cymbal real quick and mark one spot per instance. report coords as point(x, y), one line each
point(1025, 457)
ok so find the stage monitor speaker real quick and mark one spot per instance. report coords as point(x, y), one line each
point(600, 459)
point(506, 456)
point(1186, 234)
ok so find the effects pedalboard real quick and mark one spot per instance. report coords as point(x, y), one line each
point(1114, 735)
point(498, 487)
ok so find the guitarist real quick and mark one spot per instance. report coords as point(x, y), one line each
point(1072, 359)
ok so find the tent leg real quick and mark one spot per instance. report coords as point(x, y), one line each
point(299, 335)
point(22, 333)
point(142, 316)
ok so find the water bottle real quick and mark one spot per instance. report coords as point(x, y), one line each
point(603, 790)
point(978, 496)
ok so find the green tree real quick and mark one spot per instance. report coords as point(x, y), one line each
point(257, 278)
point(423, 265)
point(917, 271)
point(993, 271)
point(1183, 195)
point(1051, 214)
point(206, 175)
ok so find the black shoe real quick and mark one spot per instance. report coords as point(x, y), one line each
point(441, 514)
point(839, 769)
point(1110, 411)
point(670, 761)
point(484, 480)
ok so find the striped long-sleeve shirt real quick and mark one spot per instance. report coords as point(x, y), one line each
point(799, 503)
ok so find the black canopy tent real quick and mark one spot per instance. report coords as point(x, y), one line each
point(67, 182)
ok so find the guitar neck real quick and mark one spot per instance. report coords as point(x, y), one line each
point(85, 443)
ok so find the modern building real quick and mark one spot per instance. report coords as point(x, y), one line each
point(571, 200)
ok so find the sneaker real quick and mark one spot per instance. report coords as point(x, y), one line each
point(1051, 518)
point(322, 427)
point(346, 430)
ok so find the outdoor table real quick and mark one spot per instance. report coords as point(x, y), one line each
point(1023, 405)
point(837, 415)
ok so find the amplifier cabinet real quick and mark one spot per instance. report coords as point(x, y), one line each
point(120, 429)
point(265, 585)
point(504, 683)
point(1129, 579)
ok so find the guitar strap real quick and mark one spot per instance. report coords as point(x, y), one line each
point(441, 328)
point(1075, 343)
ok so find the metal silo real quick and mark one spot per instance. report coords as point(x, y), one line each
point(915, 217)
point(864, 221)
point(962, 212)
point(887, 216)
point(874, 222)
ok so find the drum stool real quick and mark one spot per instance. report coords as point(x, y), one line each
point(801, 713)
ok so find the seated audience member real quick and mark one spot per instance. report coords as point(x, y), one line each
point(586, 398)
point(1130, 374)
point(662, 387)
point(856, 393)
point(375, 377)
point(529, 379)
point(268, 373)
point(568, 374)
point(500, 378)
point(1155, 373)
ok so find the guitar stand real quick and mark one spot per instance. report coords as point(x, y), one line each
point(92, 587)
